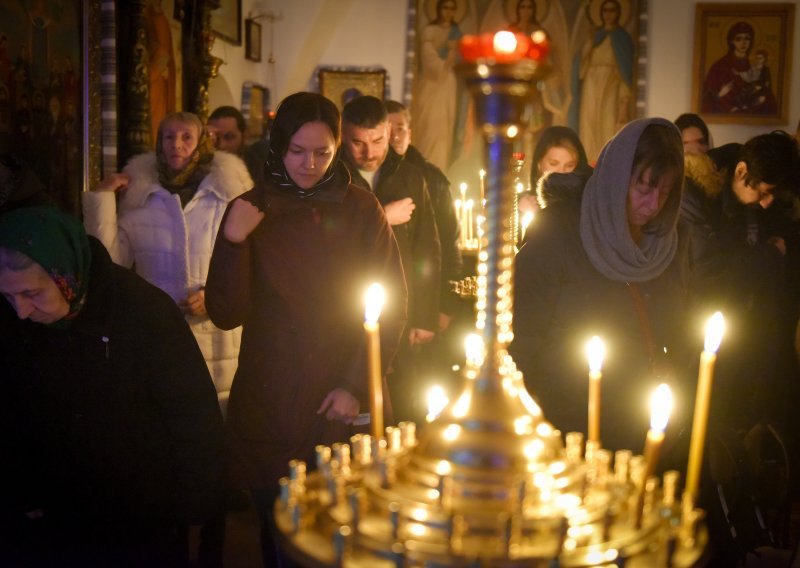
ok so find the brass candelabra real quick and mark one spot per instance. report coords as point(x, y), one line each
point(489, 482)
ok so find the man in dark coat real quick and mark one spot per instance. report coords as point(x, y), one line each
point(443, 209)
point(401, 190)
point(113, 440)
point(737, 262)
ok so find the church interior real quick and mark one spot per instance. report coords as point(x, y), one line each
point(194, 195)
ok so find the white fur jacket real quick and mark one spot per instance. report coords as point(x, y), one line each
point(169, 246)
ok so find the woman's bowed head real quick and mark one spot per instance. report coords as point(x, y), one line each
point(302, 156)
point(631, 203)
point(44, 275)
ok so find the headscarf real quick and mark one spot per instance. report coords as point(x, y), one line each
point(604, 229)
point(58, 243)
point(333, 176)
point(186, 181)
point(294, 111)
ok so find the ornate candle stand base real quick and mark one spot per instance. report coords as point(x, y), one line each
point(489, 483)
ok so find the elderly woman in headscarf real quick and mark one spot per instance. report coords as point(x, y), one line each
point(601, 259)
point(291, 264)
point(163, 221)
point(114, 442)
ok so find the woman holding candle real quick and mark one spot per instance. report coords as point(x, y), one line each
point(602, 260)
point(291, 263)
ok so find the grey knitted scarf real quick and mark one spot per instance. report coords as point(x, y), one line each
point(605, 234)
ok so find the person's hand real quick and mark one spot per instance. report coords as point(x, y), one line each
point(444, 321)
point(242, 220)
point(779, 244)
point(114, 182)
point(419, 336)
point(726, 88)
point(340, 405)
point(195, 304)
point(399, 212)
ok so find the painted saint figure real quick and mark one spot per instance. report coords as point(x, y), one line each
point(603, 81)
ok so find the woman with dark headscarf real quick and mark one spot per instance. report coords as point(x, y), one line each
point(601, 260)
point(291, 263)
point(117, 436)
point(163, 222)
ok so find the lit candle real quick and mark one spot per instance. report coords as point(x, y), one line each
point(482, 175)
point(714, 330)
point(660, 408)
point(474, 348)
point(437, 401)
point(470, 234)
point(595, 351)
point(374, 300)
point(527, 218)
point(505, 42)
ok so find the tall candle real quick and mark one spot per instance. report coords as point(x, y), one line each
point(661, 403)
point(374, 300)
point(470, 234)
point(714, 330)
point(595, 351)
point(482, 175)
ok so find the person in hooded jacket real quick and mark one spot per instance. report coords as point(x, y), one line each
point(113, 444)
point(291, 265)
point(160, 216)
point(602, 259)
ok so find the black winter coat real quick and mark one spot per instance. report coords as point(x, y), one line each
point(112, 426)
point(447, 224)
point(561, 301)
point(418, 240)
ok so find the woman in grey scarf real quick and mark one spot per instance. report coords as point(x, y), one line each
point(602, 259)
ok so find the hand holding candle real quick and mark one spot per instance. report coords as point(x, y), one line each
point(374, 300)
point(714, 330)
point(595, 351)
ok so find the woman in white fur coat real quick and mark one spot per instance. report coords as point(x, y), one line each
point(160, 216)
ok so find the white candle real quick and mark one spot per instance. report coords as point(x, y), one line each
point(714, 330)
point(374, 300)
point(595, 352)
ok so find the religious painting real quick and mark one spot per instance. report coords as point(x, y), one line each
point(165, 61)
point(255, 109)
point(252, 40)
point(742, 62)
point(226, 21)
point(343, 84)
point(592, 86)
point(40, 92)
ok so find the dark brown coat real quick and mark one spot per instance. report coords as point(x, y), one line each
point(297, 285)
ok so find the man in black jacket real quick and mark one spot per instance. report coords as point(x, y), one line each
point(401, 189)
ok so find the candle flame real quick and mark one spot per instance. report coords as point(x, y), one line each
point(595, 352)
point(505, 42)
point(474, 347)
point(374, 299)
point(437, 401)
point(463, 186)
point(661, 403)
point(538, 36)
point(482, 173)
point(527, 219)
point(715, 327)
